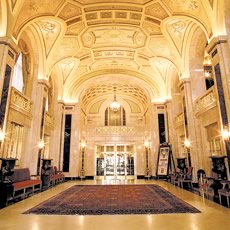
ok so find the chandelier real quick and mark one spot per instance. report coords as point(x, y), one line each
point(115, 106)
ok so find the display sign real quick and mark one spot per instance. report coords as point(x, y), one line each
point(163, 161)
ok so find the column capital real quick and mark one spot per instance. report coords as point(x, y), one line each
point(214, 42)
point(7, 41)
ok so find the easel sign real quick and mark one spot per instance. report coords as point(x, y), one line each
point(163, 161)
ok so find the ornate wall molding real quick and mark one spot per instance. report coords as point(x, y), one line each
point(205, 102)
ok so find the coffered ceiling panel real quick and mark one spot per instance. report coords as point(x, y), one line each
point(146, 38)
point(70, 11)
point(113, 36)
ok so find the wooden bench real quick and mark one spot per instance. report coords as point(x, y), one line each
point(56, 176)
point(24, 184)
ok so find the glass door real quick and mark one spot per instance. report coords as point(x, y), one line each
point(115, 162)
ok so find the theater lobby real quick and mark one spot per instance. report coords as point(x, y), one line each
point(115, 114)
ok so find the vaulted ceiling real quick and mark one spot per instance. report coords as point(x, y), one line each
point(139, 44)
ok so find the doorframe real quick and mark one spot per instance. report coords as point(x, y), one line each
point(115, 152)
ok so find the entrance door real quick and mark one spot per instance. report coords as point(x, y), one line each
point(115, 162)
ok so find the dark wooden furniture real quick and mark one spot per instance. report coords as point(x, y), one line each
point(46, 173)
point(181, 164)
point(6, 187)
point(218, 167)
point(50, 175)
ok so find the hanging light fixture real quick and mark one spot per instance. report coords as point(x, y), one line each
point(115, 106)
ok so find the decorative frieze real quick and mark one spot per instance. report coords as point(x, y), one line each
point(20, 101)
point(115, 130)
point(206, 101)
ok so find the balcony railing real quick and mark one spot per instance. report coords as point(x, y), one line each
point(20, 102)
point(205, 102)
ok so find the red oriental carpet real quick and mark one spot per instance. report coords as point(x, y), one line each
point(112, 199)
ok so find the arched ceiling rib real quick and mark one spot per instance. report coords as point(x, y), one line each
point(143, 38)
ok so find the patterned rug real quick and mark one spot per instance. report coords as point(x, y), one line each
point(112, 199)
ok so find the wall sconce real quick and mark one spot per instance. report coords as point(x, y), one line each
point(41, 145)
point(226, 133)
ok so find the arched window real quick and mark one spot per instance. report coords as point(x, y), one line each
point(17, 81)
point(117, 118)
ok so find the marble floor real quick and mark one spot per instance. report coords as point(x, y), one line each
point(212, 217)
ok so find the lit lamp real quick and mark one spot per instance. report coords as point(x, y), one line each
point(115, 106)
point(82, 174)
point(41, 145)
point(187, 145)
point(147, 171)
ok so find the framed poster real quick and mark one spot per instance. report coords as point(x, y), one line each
point(163, 161)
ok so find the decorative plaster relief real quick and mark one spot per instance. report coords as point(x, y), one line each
point(113, 7)
point(145, 52)
point(176, 29)
point(107, 14)
point(69, 11)
point(67, 66)
point(114, 54)
point(114, 36)
point(115, 130)
point(160, 47)
point(135, 16)
point(181, 5)
point(20, 101)
point(205, 102)
point(108, 86)
point(152, 29)
point(114, 63)
point(83, 52)
point(88, 39)
point(157, 11)
point(162, 66)
point(139, 39)
point(50, 31)
point(35, 8)
point(120, 14)
point(91, 16)
point(75, 29)
point(67, 48)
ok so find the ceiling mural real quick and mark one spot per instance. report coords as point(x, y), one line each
point(147, 37)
